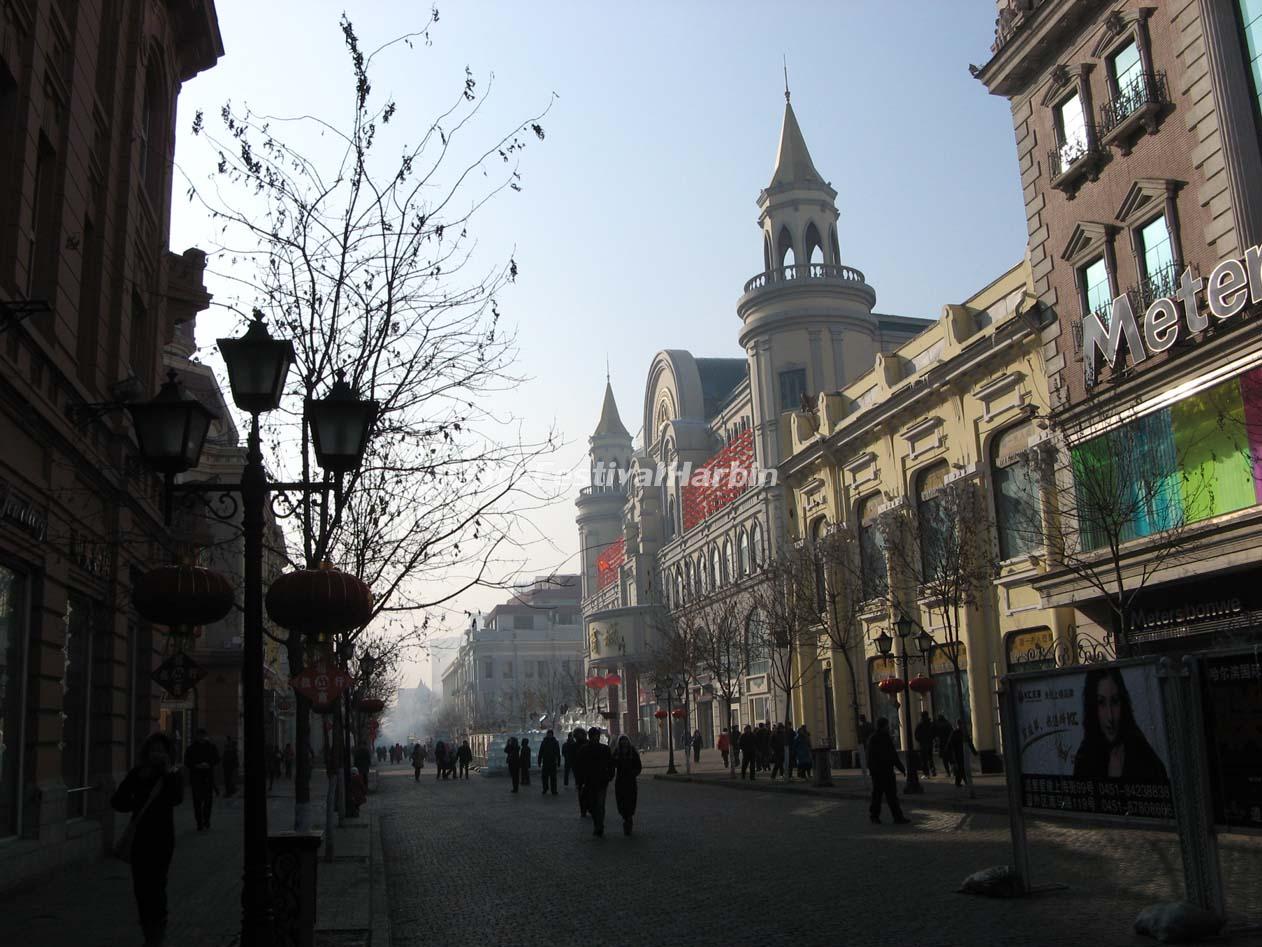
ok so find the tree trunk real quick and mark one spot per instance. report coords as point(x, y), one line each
point(302, 737)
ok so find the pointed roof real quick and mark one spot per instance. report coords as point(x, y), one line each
point(609, 422)
point(793, 162)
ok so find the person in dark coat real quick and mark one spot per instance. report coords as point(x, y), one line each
point(464, 756)
point(418, 761)
point(626, 767)
point(440, 759)
point(523, 761)
point(696, 746)
point(580, 784)
point(749, 748)
point(882, 761)
point(865, 734)
point(762, 746)
point(596, 763)
point(511, 753)
point(549, 760)
point(362, 761)
point(231, 763)
point(567, 757)
point(942, 734)
point(959, 743)
point(150, 792)
point(201, 759)
point(924, 744)
point(777, 750)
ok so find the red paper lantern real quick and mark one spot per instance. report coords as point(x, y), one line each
point(612, 679)
point(892, 685)
point(595, 682)
point(678, 713)
point(317, 602)
point(660, 714)
point(182, 596)
point(370, 705)
point(921, 684)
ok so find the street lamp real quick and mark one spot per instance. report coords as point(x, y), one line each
point(170, 432)
point(904, 627)
point(665, 692)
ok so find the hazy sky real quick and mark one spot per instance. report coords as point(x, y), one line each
point(636, 225)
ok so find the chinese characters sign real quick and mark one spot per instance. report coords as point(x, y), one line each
point(178, 675)
point(322, 683)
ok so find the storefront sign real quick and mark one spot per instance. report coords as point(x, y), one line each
point(940, 662)
point(1232, 689)
point(1094, 741)
point(1230, 286)
point(1030, 650)
point(16, 509)
point(1222, 603)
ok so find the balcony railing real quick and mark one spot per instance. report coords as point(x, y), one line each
point(804, 271)
point(1136, 103)
point(1156, 285)
point(1074, 159)
point(603, 490)
point(1105, 312)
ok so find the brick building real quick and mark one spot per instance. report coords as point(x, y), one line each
point(89, 296)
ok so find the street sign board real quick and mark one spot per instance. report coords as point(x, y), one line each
point(322, 682)
point(178, 675)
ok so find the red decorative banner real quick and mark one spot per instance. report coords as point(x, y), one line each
point(720, 480)
point(608, 563)
point(321, 683)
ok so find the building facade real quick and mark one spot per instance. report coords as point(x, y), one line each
point(522, 661)
point(89, 295)
point(653, 535)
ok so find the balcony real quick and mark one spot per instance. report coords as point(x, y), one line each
point(1136, 109)
point(1157, 285)
point(799, 272)
point(1074, 162)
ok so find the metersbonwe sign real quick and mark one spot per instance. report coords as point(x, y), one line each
point(1230, 286)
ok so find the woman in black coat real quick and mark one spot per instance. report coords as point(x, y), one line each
point(510, 754)
point(626, 767)
point(150, 792)
point(523, 762)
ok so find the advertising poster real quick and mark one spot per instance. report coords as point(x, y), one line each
point(1232, 688)
point(1094, 740)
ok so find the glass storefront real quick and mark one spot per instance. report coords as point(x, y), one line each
point(950, 694)
point(11, 637)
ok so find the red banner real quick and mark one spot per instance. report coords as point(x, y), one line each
point(608, 563)
point(720, 480)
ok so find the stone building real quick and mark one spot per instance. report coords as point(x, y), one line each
point(649, 542)
point(89, 295)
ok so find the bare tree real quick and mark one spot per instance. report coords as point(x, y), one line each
point(836, 561)
point(786, 625)
point(363, 256)
point(717, 629)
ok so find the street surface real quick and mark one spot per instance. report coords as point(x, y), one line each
point(469, 862)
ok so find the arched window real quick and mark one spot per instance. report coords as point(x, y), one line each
point(832, 243)
point(729, 562)
point(755, 547)
point(817, 562)
point(152, 137)
point(742, 560)
point(784, 253)
point(872, 558)
point(814, 245)
point(670, 516)
point(756, 660)
point(932, 521)
point(716, 570)
point(1018, 513)
point(699, 566)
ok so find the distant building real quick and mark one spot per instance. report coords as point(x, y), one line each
point(523, 660)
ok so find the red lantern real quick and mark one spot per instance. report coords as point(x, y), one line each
point(892, 685)
point(182, 596)
point(612, 679)
point(370, 705)
point(678, 713)
point(317, 602)
point(921, 684)
point(595, 682)
point(660, 714)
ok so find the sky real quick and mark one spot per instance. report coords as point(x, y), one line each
point(636, 225)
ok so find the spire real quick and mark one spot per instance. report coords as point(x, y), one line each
point(609, 422)
point(793, 162)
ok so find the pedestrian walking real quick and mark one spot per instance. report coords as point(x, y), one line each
point(805, 762)
point(231, 763)
point(724, 743)
point(942, 734)
point(567, 757)
point(440, 759)
point(777, 750)
point(418, 761)
point(762, 745)
point(358, 792)
point(361, 759)
point(511, 753)
point(696, 746)
point(201, 759)
point(748, 746)
point(596, 762)
point(464, 756)
point(924, 744)
point(289, 761)
point(959, 746)
point(865, 734)
point(882, 761)
point(549, 760)
point(626, 767)
point(524, 761)
point(150, 792)
point(791, 739)
point(580, 784)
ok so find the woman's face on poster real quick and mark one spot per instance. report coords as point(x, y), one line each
point(1108, 703)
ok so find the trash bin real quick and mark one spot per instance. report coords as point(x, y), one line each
point(821, 766)
point(294, 865)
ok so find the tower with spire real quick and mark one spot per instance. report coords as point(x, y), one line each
point(600, 504)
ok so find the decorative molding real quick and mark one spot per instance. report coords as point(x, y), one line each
point(1143, 193)
point(1087, 236)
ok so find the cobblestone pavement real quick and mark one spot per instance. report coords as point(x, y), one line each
point(468, 862)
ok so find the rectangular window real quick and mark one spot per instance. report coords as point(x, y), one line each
point(523, 622)
point(1126, 71)
point(89, 304)
point(508, 669)
point(543, 670)
point(11, 638)
point(76, 687)
point(1096, 292)
point(792, 388)
point(488, 669)
point(42, 251)
point(1251, 22)
point(529, 669)
point(1211, 443)
point(1156, 252)
point(873, 566)
point(139, 349)
point(1071, 130)
point(1018, 507)
point(934, 522)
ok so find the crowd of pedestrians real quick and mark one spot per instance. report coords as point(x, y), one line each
point(780, 751)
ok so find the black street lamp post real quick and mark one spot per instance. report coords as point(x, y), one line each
point(665, 692)
point(171, 431)
point(885, 644)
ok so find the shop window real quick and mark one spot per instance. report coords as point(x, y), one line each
point(80, 620)
point(874, 565)
point(792, 388)
point(932, 521)
point(1018, 499)
point(12, 636)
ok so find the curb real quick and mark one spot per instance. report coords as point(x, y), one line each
point(379, 911)
point(909, 801)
